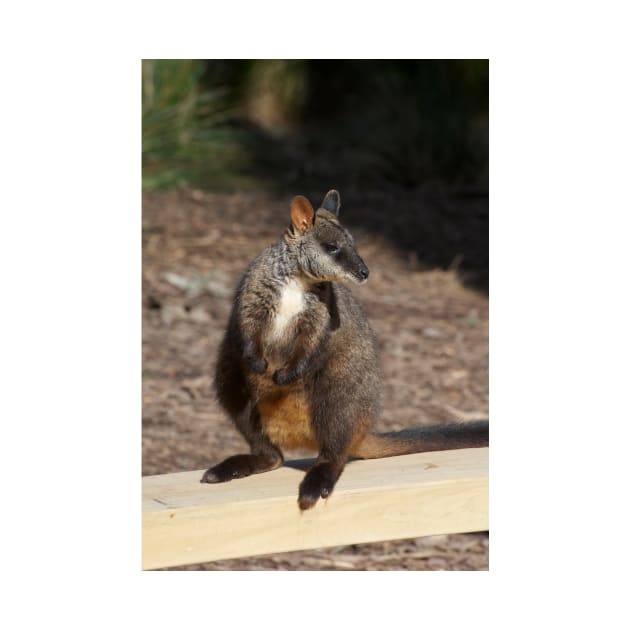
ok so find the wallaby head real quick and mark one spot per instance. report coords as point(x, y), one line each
point(324, 248)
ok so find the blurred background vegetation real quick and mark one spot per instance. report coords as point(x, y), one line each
point(229, 125)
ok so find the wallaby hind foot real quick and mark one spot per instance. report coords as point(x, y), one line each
point(239, 466)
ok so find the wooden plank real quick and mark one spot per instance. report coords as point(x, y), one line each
point(186, 522)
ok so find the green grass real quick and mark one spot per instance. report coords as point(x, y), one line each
point(186, 138)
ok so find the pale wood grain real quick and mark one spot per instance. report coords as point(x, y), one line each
point(186, 522)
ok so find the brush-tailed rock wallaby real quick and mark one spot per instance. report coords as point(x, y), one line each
point(298, 366)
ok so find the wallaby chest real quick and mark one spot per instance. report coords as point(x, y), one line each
point(291, 302)
point(285, 412)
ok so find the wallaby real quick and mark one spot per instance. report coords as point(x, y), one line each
point(298, 365)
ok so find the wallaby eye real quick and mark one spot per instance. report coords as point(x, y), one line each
point(331, 248)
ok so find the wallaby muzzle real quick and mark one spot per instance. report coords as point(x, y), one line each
point(358, 269)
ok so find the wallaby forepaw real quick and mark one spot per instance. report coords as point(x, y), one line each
point(285, 376)
point(257, 365)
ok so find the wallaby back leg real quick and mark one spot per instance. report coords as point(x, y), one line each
point(335, 425)
point(319, 481)
point(264, 455)
point(233, 395)
point(344, 403)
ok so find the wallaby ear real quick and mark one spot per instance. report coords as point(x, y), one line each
point(332, 202)
point(301, 213)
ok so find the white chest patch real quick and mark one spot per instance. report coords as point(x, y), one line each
point(291, 303)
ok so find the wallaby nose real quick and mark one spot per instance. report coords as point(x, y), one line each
point(364, 272)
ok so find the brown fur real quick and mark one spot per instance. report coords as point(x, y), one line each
point(298, 365)
point(286, 420)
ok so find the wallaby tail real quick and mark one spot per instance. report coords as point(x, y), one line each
point(433, 438)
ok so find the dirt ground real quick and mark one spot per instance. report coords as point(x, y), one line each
point(432, 330)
